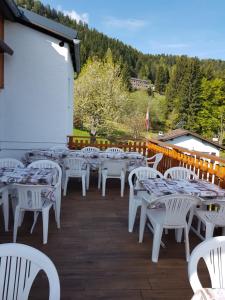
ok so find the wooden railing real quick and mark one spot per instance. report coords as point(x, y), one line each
point(79, 142)
point(208, 167)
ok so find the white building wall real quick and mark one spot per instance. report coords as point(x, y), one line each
point(195, 144)
point(38, 96)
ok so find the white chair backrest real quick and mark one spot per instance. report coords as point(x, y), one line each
point(216, 217)
point(19, 266)
point(114, 166)
point(90, 149)
point(213, 252)
point(180, 173)
point(177, 207)
point(10, 163)
point(45, 163)
point(75, 164)
point(29, 196)
point(142, 173)
point(155, 159)
point(114, 149)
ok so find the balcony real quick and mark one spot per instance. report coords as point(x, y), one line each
point(94, 254)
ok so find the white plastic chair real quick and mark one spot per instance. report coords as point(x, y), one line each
point(75, 169)
point(213, 253)
point(154, 160)
point(171, 216)
point(10, 163)
point(114, 149)
point(30, 198)
point(4, 201)
point(91, 150)
point(181, 173)
point(45, 163)
point(112, 168)
point(210, 219)
point(135, 199)
point(19, 266)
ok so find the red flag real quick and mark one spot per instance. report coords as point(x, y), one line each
point(147, 120)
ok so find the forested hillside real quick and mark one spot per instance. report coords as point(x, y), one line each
point(193, 89)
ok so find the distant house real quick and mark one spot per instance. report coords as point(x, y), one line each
point(38, 58)
point(140, 84)
point(191, 141)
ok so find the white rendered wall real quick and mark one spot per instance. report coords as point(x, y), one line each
point(37, 101)
point(193, 143)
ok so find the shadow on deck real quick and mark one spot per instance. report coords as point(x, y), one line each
point(97, 258)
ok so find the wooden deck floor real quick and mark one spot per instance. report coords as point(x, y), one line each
point(97, 258)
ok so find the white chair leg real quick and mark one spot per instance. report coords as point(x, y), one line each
point(103, 185)
point(132, 215)
point(5, 207)
point(178, 234)
point(58, 209)
point(99, 177)
point(142, 225)
point(83, 186)
point(65, 186)
point(22, 213)
point(88, 178)
point(122, 186)
point(187, 247)
point(45, 219)
point(36, 213)
point(16, 223)
point(209, 230)
point(158, 230)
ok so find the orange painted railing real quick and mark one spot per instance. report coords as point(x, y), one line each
point(208, 167)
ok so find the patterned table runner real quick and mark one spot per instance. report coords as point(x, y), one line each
point(161, 187)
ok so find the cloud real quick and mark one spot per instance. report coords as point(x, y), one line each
point(175, 46)
point(129, 24)
point(84, 17)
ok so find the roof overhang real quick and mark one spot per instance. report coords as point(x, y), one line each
point(4, 48)
point(11, 11)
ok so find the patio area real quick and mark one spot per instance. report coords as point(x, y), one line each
point(97, 258)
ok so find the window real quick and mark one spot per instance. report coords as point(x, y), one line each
point(1, 53)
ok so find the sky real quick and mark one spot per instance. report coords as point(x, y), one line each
point(191, 27)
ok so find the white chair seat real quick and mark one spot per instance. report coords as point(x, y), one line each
point(30, 199)
point(57, 187)
point(115, 169)
point(76, 168)
point(136, 193)
point(211, 219)
point(173, 216)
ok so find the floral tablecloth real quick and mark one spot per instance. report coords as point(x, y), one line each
point(47, 176)
point(161, 187)
point(34, 155)
point(93, 159)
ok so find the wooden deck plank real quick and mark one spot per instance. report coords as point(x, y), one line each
point(97, 258)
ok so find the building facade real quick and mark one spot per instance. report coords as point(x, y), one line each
point(36, 95)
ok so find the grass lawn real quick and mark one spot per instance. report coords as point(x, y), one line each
point(79, 132)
